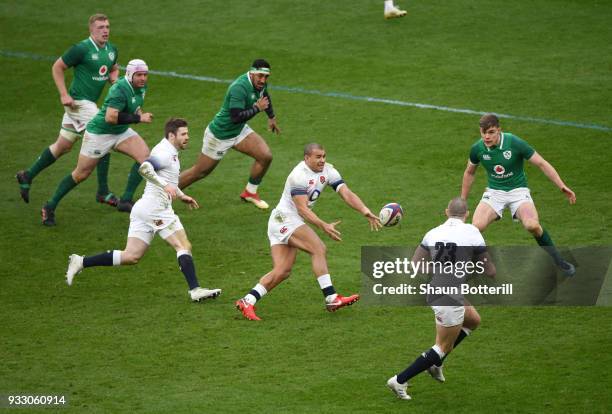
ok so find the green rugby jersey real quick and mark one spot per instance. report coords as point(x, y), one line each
point(503, 163)
point(92, 65)
point(121, 96)
point(240, 94)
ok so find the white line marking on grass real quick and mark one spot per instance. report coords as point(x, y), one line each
point(172, 74)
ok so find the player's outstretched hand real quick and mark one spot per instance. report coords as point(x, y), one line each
point(375, 223)
point(272, 126)
point(569, 194)
point(190, 201)
point(330, 229)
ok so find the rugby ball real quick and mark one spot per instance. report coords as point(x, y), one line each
point(391, 214)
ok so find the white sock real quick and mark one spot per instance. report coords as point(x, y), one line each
point(325, 282)
point(252, 188)
point(258, 289)
point(438, 351)
point(388, 5)
point(116, 257)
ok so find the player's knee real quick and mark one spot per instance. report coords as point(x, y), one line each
point(266, 158)
point(81, 174)
point(129, 258)
point(475, 321)
point(532, 226)
point(61, 147)
point(472, 322)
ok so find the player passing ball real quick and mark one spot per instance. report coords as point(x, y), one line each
point(288, 231)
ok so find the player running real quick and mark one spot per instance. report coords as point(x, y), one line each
point(246, 97)
point(153, 214)
point(95, 63)
point(109, 130)
point(455, 318)
point(502, 155)
point(289, 233)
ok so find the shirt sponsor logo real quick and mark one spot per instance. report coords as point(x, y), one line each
point(94, 56)
point(486, 157)
point(507, 154)
point(499, 169)
point(111, 55)
point(103, 69)
point(310, 182)
point(283, 230)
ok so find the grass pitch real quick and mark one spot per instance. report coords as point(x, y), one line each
point(127, 339)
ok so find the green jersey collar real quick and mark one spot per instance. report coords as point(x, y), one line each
point(130, 85)
point(96, 46)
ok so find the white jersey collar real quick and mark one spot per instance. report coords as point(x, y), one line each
point(453, 221)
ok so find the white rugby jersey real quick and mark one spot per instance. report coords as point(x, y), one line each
point(453, 232)
point(303, 180)
point(165, 160)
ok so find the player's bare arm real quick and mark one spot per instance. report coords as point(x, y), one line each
point(58, 70)
point(420, 254)
point(468, 179)
point(301, 202)
point(552, 174)
point(355, 202)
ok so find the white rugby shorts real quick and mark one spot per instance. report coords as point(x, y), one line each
point(150, 216)
point(217, 148)
point(78, 117)
point(98, 145)
point(448, 316)
point(281, 226)
point(500, 200)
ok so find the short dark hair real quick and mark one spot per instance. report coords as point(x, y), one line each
point(489, 120)
point(457, 207)
point(260, 63)
point(97, 17)
point(173, 125)
point(312, 146)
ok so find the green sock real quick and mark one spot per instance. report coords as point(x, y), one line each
point(102, 171)
point(547, 244)
point(255, 181)
point(63, 188)
point(45, 159)
point(134, 178)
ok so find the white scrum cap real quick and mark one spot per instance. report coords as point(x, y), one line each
point(133, 66)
